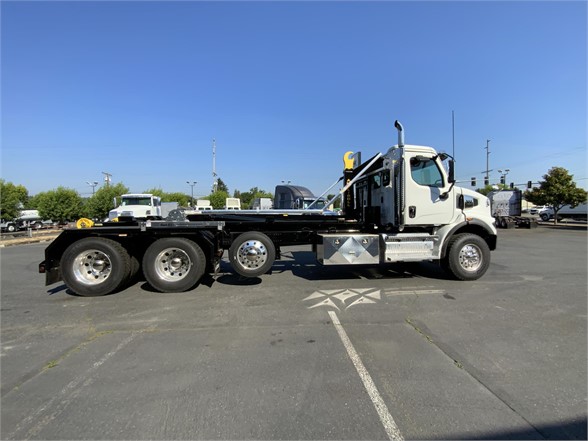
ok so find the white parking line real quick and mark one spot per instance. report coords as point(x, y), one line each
point(387, 421)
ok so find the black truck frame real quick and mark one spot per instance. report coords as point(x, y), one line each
point(116, 251)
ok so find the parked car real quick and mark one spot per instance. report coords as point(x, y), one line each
point(538, 209)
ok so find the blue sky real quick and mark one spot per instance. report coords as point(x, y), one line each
point(140, 89)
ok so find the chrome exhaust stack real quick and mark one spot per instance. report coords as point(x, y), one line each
point(400, 133)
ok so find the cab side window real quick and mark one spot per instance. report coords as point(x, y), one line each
point(426, 173)
point(376, 181)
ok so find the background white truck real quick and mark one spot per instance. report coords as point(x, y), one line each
point(141, 206)
point(26, 219)
point(506, 208)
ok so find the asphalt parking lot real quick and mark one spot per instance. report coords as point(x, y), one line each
point(306, 352)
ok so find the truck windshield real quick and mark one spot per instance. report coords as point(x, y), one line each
point(136, 201)
point(319, 204)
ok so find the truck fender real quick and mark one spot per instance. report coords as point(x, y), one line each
point(474, 227)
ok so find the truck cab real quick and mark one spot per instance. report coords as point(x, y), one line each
point(409, 188)
point(137, 206)
point(296, 197)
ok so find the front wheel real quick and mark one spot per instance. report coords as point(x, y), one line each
point(95, 266)
point(468, 257)
point(173, 264)
point(252, 254)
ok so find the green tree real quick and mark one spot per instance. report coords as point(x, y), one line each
point(221, 186)
point(491, 187)
point(217, 199)
point(337, 203)
point(248, 197)
point(12, 199)
point(98, 206)
point(556, 190)
point(61, 205)
point(182, 199)
point(156, 192)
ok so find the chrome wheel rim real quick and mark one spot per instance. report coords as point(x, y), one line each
point(470, 257)
point(172, 264)
point(252, 254)
point(92, 267)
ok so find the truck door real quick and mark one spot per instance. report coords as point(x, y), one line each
point(425, 183)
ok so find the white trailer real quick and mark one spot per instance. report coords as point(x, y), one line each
point(580, 212)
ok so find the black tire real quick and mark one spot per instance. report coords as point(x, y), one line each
point(173, 264)
point(252, 254)
point(37, 225)
point(95, 266)
point(11, 228)
point(468, 257)
point(135, 267)
point(544, 217)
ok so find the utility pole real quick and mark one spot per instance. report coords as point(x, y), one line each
point(487, 179)
point(92, 184)
point(192, 184)
point(453, 134)
point(107, 178)
point(214, 177)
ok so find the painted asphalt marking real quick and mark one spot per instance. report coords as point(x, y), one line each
point(343, 299)
point(387, 421)
point(414, 292)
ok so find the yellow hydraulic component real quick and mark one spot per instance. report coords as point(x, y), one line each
point(84, 223)
point(348, 160)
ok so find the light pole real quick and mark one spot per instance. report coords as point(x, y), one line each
point(192, 184)
point(107, 178)
point(92, 184)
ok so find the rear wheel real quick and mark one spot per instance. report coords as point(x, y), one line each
point(252, 254)
point(173, 264)
point(468, 257)
point(95, 266)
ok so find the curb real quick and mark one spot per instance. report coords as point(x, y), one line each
point(27, 240)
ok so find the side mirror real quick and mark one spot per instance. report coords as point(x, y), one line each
point(451, 177)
